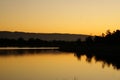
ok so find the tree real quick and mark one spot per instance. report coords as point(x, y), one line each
point(89, 40)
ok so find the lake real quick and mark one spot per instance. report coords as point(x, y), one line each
point(38, 64)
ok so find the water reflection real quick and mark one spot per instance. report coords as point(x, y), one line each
point(19, 52)
point(40, 64)
point(105, 59)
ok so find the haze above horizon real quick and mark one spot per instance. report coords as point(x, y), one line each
point(60, 16)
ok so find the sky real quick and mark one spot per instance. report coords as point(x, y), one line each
point(60, 16)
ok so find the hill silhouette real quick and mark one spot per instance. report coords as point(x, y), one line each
point(42, 36)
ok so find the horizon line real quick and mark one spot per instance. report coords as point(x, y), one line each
point(45, 32)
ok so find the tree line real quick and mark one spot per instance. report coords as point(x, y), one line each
point(109, 38)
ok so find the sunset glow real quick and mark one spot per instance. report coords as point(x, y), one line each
point(60, 16)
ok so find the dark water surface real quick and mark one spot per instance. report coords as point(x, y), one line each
point(35, 64)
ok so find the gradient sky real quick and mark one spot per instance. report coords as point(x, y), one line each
point(60, 16)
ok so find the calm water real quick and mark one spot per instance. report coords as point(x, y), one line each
point(52, 65)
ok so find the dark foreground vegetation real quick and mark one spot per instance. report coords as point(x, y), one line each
point(107, 42)
point(104, 48)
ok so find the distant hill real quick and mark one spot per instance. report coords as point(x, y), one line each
point(42, 36)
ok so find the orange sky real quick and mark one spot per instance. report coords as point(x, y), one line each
point(60, 16)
